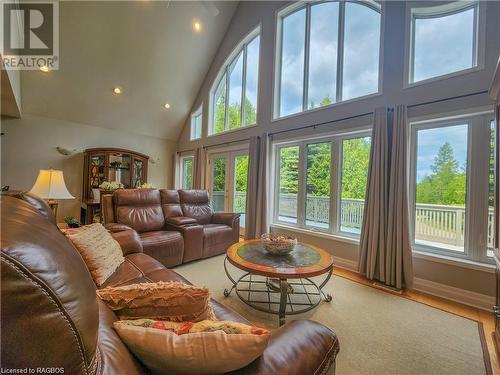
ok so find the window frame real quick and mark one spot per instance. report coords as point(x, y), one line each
point(224, 71)
point(413, 8)
point(182, 158)
point(476, 209)
point(289, 10)
point(198, 112)
point(335, 181)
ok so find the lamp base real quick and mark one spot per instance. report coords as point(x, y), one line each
point(53, 206)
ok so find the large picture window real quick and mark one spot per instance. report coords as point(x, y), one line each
point(444, 39)
point(186, 172)
point(328, 53)
point(451, 214)
point(321, 184)
point(234, 95)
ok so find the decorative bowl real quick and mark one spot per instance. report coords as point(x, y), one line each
point(278, 245)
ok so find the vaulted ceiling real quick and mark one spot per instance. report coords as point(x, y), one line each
point(148, 48)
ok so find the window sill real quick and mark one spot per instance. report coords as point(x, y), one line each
point(329, 236)
point(459, 73)
point(452, 261)
point(418, 254)
point(232, 130)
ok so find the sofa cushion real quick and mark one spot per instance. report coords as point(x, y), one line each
point(204, 347)
point(164, 300)
point(141, 268)
point(196, 204)
point(165, 246)
point(140, 209)
point(170, 203)
point(214, 234)
point(100, 251)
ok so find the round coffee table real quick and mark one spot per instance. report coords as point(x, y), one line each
point(265, 284)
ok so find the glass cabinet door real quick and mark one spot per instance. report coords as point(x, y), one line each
point(119, 169)
point(138, 176)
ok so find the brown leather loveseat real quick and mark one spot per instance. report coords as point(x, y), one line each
point(51, 319)
point(175, 227)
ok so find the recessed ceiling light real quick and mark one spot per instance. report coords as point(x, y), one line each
point(197, 26)
point(167, 106)
point(117, 90)
point(44, 68)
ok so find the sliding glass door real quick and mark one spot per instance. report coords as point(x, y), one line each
point(227, 182)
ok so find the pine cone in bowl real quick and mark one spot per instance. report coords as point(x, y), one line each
point(278, 245)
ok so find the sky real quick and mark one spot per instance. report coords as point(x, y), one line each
point(430, 140)
point(361, 54)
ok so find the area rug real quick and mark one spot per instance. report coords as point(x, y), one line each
point(379, 333)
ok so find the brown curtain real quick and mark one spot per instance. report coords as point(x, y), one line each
point(257, 211)
point(385, 249)
point(199, 168)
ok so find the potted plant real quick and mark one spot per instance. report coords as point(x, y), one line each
point(72, 222)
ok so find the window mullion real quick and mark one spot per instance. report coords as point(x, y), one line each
point(307, 42)
point(340, 52)
point(335, 190)
point(226, 102)
point(301, 200)
point(244, 86)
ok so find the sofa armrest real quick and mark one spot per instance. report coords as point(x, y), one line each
point(299, 347)
point(129, 241)
point(193, 240)
point(116, 227)
point(225, 218)
point(180, 220)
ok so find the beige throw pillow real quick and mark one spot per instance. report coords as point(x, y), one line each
point(99, 250)
point(205, 347)
point(166, 300)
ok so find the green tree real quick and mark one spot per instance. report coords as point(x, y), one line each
point(446, 184)
point(355, 162)
point(234, 115)
point(289, 170)
point(318, 169)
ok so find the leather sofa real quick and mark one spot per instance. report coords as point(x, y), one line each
point(52, 319)
point(174, 226)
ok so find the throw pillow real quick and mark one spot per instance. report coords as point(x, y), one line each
point(206, 347)
point(99, 250)
point(165, 300)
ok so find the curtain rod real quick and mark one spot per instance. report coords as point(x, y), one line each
point(180, 152)
point(227, 143)
point(371, 113)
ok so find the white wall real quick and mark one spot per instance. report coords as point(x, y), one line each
point(250, 14)
point(29, 144)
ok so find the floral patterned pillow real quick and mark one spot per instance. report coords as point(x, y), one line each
point(205, 347)
point(183, 328)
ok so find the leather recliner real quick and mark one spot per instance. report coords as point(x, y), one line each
point(220, 230)
point(51, 318)
point(142, 211)
point(175, 226)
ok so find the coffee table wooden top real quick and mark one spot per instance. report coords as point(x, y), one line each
point(304, 261)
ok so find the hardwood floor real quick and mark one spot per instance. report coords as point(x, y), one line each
point(453, 307)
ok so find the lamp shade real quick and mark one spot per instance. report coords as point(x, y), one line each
point(50, 185)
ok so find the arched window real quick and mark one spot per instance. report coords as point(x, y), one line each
point(328, 52)
point(234, 95)
point(443, 39)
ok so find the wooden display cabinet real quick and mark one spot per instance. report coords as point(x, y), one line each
point(109, 164)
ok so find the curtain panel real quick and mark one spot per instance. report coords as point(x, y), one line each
point(200, 161)
point(256, 222)
point(385, 247)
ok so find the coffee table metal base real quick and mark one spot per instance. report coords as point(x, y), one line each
point(296, 296)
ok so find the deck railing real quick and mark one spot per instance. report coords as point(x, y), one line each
point(433, 223)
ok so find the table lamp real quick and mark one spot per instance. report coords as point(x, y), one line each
point(50, 185)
